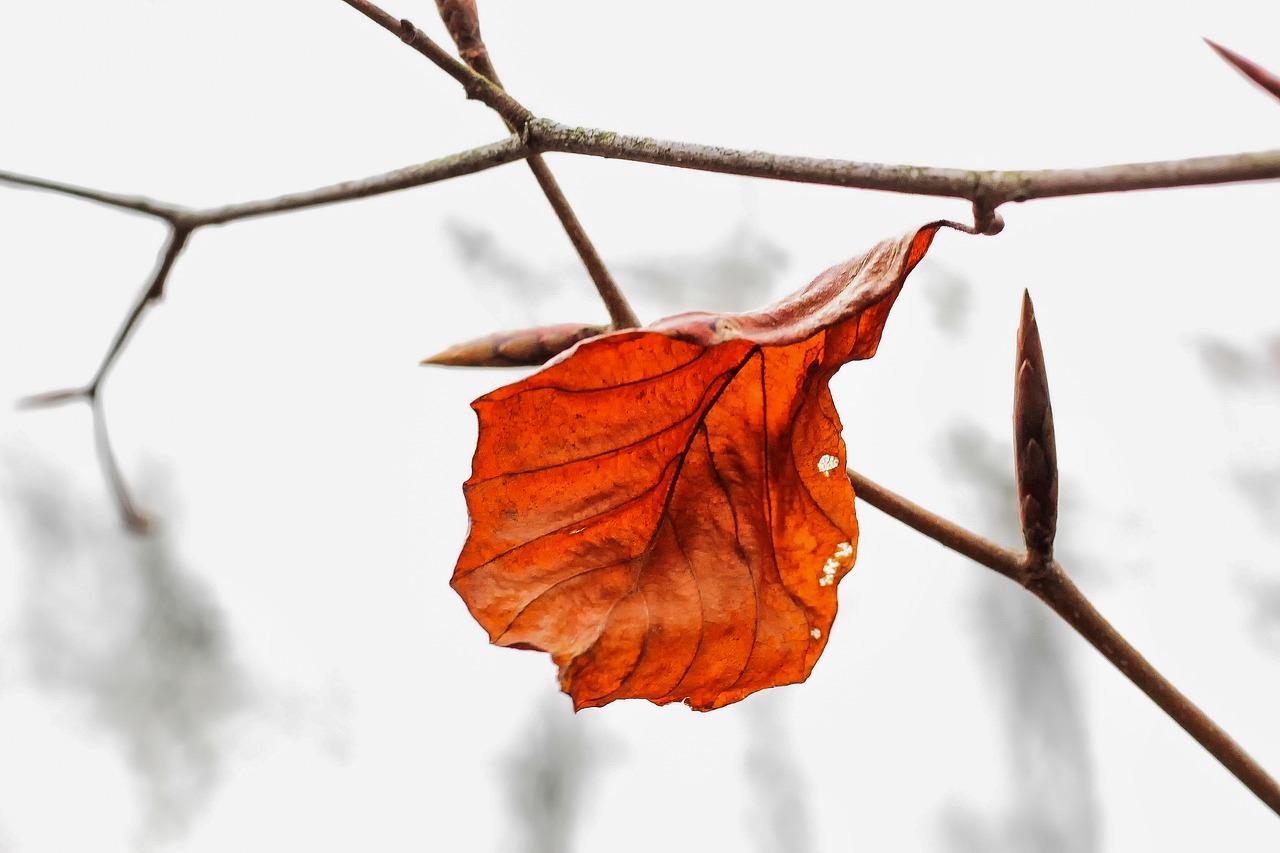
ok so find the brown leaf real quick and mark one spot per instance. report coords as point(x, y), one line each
point(665, 510)
point(523, 347)
point(1259, 75)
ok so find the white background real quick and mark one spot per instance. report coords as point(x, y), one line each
point(306, 472)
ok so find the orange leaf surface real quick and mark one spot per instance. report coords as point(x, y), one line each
point(665, 511)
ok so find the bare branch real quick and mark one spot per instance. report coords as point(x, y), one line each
point(990, 188)
point(944, 532)
point(620, 312)
point(134, 520)
point(1049, 583)
point(153, 292)
point(139, 204)
point(987, 189)
point(475, 84)
point(463, 24)
point(453, 166)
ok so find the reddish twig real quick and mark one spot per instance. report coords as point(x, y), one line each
point(455, 165)
point(464, 27)
point(151, 294)
point(1263, 78)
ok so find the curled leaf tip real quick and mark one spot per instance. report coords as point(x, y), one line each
point(1256, 73)
point(519, 348)
point(1035, 450)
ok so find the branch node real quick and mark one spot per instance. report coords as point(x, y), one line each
point(408, 32)
point(986, 218)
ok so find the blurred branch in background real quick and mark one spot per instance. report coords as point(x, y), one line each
point(548, 775)
point(739, 272)
point(114, 625)
point(1054, 805)
point(1247, 380)
point(778, 821)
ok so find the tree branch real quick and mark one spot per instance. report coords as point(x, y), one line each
point(463, 23)
point(138, 204)
point(454, 165)
point(991, 188)
point(987, 190)
point(1049, 583)
point(480, 79)
point(150, 294)
point(477, 87)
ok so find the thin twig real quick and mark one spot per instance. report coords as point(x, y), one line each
point(453, 166)
point(944, 532)
point(464, 27)
point(138, 204)
point(1055, 589)
point(149, 295)
point(621, 315)
point(987, 188)
point(1049, 583)
point(135, 520)
point(476, 86)
point(480, 70)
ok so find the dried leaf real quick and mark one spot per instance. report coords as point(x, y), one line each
point(1259, 75)
point(665, 510)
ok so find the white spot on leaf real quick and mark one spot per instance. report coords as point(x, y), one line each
point(827, 464)
point(843, 552)
point(816, 633)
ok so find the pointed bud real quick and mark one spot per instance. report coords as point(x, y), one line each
point(1253, 71)
point(53, 398)
point(522, 347)
point(1035, 452)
